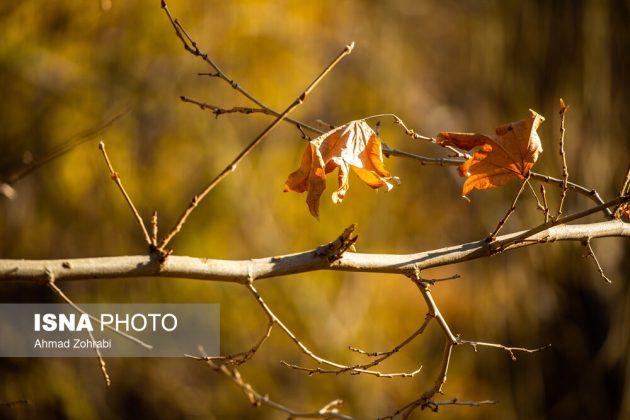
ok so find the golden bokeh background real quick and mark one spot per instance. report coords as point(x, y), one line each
point(67, 66)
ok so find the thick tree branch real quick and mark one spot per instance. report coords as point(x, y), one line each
point(245, 271)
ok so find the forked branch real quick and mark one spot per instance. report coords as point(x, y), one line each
point(328, 411)
point(191, 46)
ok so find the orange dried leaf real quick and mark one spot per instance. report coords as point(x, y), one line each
point(507, 155)
point(353, 145)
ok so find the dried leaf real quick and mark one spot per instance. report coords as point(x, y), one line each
point(353, 145)
point(507, 155)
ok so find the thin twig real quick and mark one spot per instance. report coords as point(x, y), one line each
point(116, 178)
point(433, 308)
point(232, 166)
point(426, 400)
point(442, 279)
point(539, 206)
point(328, 411)
point(304, 135)
point(511, 210)
point(355, 370)
point(217, 111)
point(441, 380)
point(509, 350)
point(242, 357)
point(591, 253)
point(625, 188)
point(451, 341)
point(382, 355)
point(51, 284)
point(434, 405)
point(154, 228)
point(412, 133)
point(339, 368)
point(592, 193)
point(191, 46)
point(423, 160)
point(545, 205)
point(397, 120)
point(565, 171)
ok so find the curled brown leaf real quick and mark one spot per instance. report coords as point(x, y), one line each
point(351, 146)
point(507, 155)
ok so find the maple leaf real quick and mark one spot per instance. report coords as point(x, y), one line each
point(353, 145)
point(507, 155)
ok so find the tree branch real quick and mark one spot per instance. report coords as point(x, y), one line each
point(116, 178)
point(232, 166)
point(592, 194)
point(509, 350)
point(563, 156)
point(217, 111)
point(245, 271)
point(101, 362)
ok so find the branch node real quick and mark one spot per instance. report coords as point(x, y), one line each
point(334, 250)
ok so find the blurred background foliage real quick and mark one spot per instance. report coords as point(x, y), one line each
point(66, 66)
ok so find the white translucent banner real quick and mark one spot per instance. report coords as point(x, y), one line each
point(116, 330)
